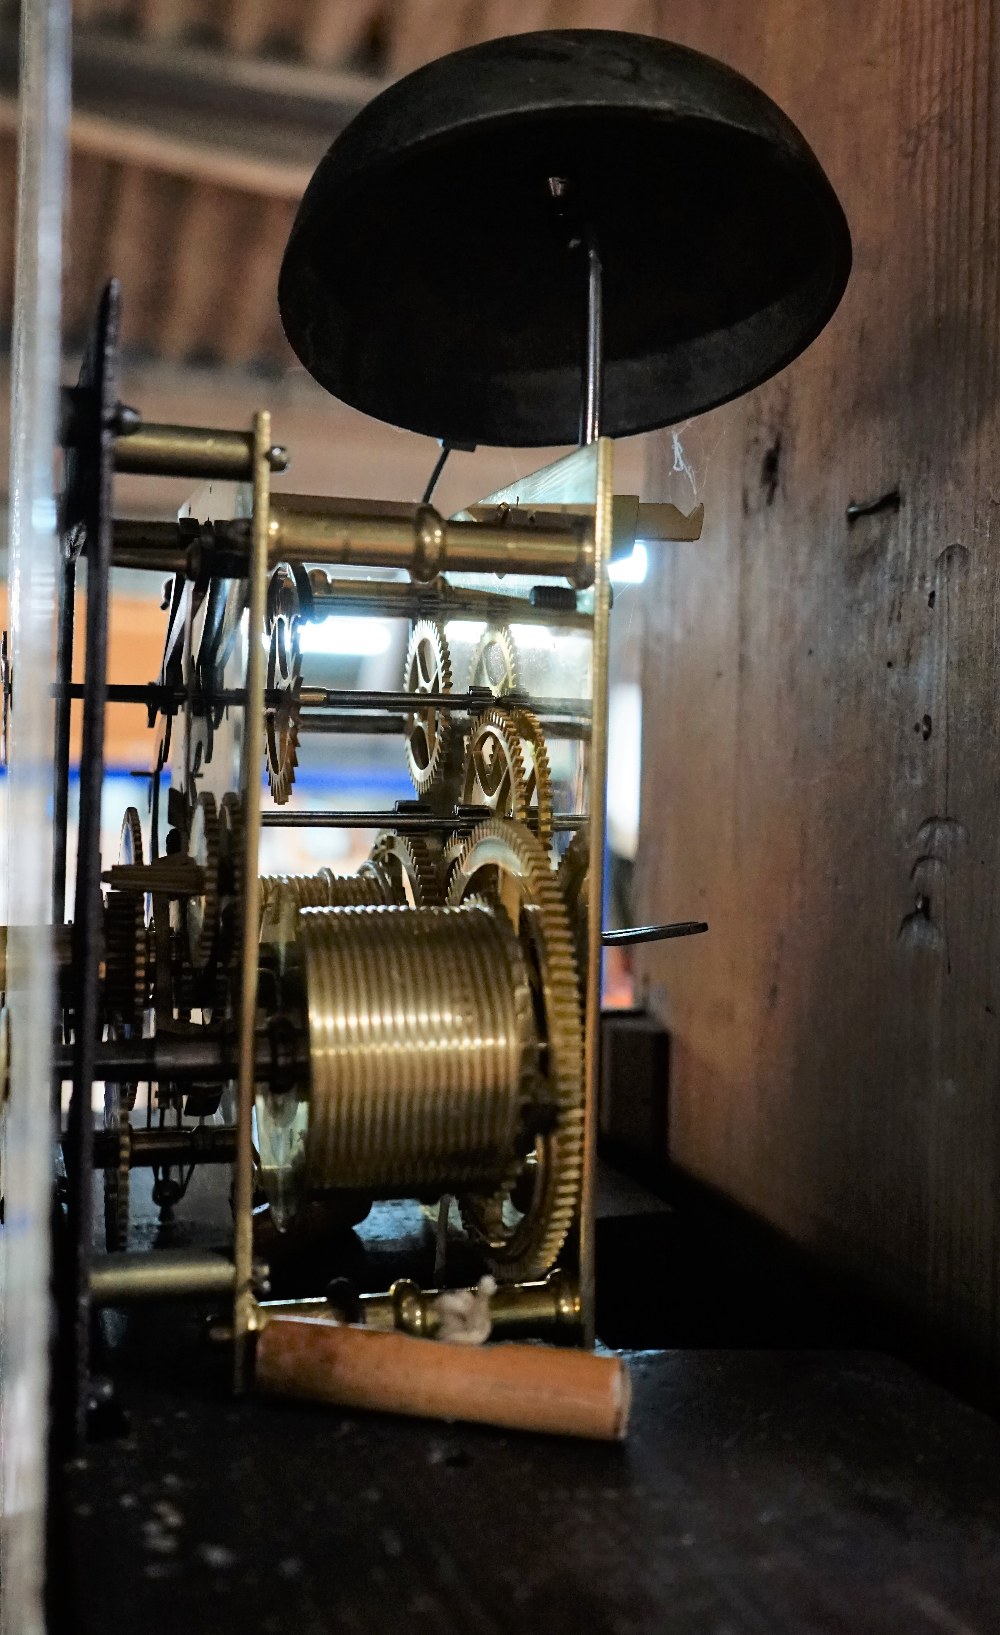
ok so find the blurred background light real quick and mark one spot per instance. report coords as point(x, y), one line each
point(345, 635)
point(630, 570)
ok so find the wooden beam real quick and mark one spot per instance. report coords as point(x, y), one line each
point(420, 30)
point(245, 321)
point(101, 137)
point(332, 32)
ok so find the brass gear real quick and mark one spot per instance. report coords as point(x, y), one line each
point(202, 911)
point(408, 866)
point(498, 775)
point(124, 957)
point(118, 1172)
point(130, 852)
point(130, 843)
point(126, 951)
point(284, 676)
point(451, 856)
point(504, 863)
point(217, 991)
point(572, 877)
point(431, 734)
point(494, 661)
point(125, 932)
point(230, 884)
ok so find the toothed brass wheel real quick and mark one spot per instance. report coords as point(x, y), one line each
point(523, 1227)
point(451, 856)
point(118, 1170)
point(432, 739)
point(124, 957)
point(284, 679)
point(408, 865)
point(126, 953)
point(494, 662)
point(507, 769)
point(230, 882)
point(203, 910)
point(125, 949)
point(573, 877)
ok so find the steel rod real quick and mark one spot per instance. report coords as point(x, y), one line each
point(182, 1056)
point(439, 600)
point(251, 774)
point(161, 1275)
point(63, 711)
point(629, 935)
point(152, 695)
point(403, 822)
point(343, 721)
point(471, 703)
point(323, 721)
point(178, 1145)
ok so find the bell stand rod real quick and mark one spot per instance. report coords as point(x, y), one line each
point(590, 430)
point(593, 368)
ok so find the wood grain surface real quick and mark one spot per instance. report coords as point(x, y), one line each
point(759, 1493)
point(822, 772)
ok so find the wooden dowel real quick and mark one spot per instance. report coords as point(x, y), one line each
point(519, 1387)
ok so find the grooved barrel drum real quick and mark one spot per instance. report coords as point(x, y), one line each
point(422, 1046)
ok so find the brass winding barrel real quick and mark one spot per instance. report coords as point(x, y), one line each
point(326, 889)
point(422, 1047)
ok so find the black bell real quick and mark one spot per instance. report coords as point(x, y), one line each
point(430, 278)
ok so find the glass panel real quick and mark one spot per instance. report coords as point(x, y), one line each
point(566, 662)
point(32, 569)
